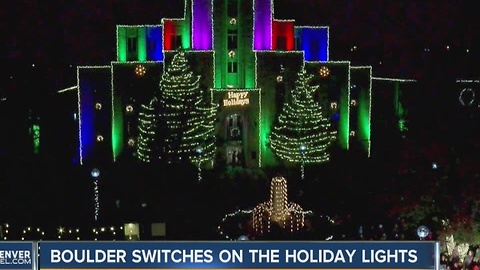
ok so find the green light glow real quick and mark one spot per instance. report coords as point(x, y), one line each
point(399, 109)
point(362, 78)
point(35, 130)
point(244, 58)
point(344, 121)
point(121, 44)
point(185, 33)
point(141, 44)
point(364, 118)
point(250, 80)
point(117, 127)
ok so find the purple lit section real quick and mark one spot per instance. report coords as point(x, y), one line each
point(263, 25)
point(202, 25)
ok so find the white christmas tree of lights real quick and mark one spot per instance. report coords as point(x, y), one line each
point(188, 116)
point(302, 134)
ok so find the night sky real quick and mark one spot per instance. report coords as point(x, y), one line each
point(393, 36)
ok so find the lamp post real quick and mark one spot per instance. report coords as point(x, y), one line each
point(303, 148)
point(95, 173)
point(422, 232)
point(199, 151)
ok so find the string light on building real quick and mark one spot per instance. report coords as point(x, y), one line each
point(100, 138)
point(95, 173)
point(129, 108)
point(233, 21)
point(62, 233)
point(231, 54)
point(68, 233)
point(140, 70)
point(199, 151)
point(30, 233)
point(324, 72)
point(303, 148)
point(5, 229)
point(98, 106)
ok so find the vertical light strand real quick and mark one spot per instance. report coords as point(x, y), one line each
point(271, 24)
point(112, 101)
point(260, 141)
point(348, 106)
point(328, 43)
point(117, 43)
point(192, 22)
point(162, 23)
point(79, 102)
point(211, 25)
point(96, 198)
point(370, 73)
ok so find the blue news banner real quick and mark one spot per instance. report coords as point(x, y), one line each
point(238, 255)
point(18, 255)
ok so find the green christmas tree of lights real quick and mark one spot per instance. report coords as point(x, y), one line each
point(147, 132)
point(188, 115)
point(302, 133)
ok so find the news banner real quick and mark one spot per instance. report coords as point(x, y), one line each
point(421, 255)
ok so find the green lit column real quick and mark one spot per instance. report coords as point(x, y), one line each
point(117, 126)
point(35, 130)
point(220, 46)
point(186, 35)
point(364, 118)
point(399, 109)
point(396, 98)
point(121, 44)
point(344, 121)
point(141, 44)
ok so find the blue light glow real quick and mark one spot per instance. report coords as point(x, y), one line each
point(86, 116)
point(154, 43)
point(336, 116)
point(314, 42)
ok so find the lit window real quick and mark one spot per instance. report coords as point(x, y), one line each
point(232, 67)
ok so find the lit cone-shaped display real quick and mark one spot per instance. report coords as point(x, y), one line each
point(278, 209)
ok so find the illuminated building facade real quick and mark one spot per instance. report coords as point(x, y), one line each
point(245, 56)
